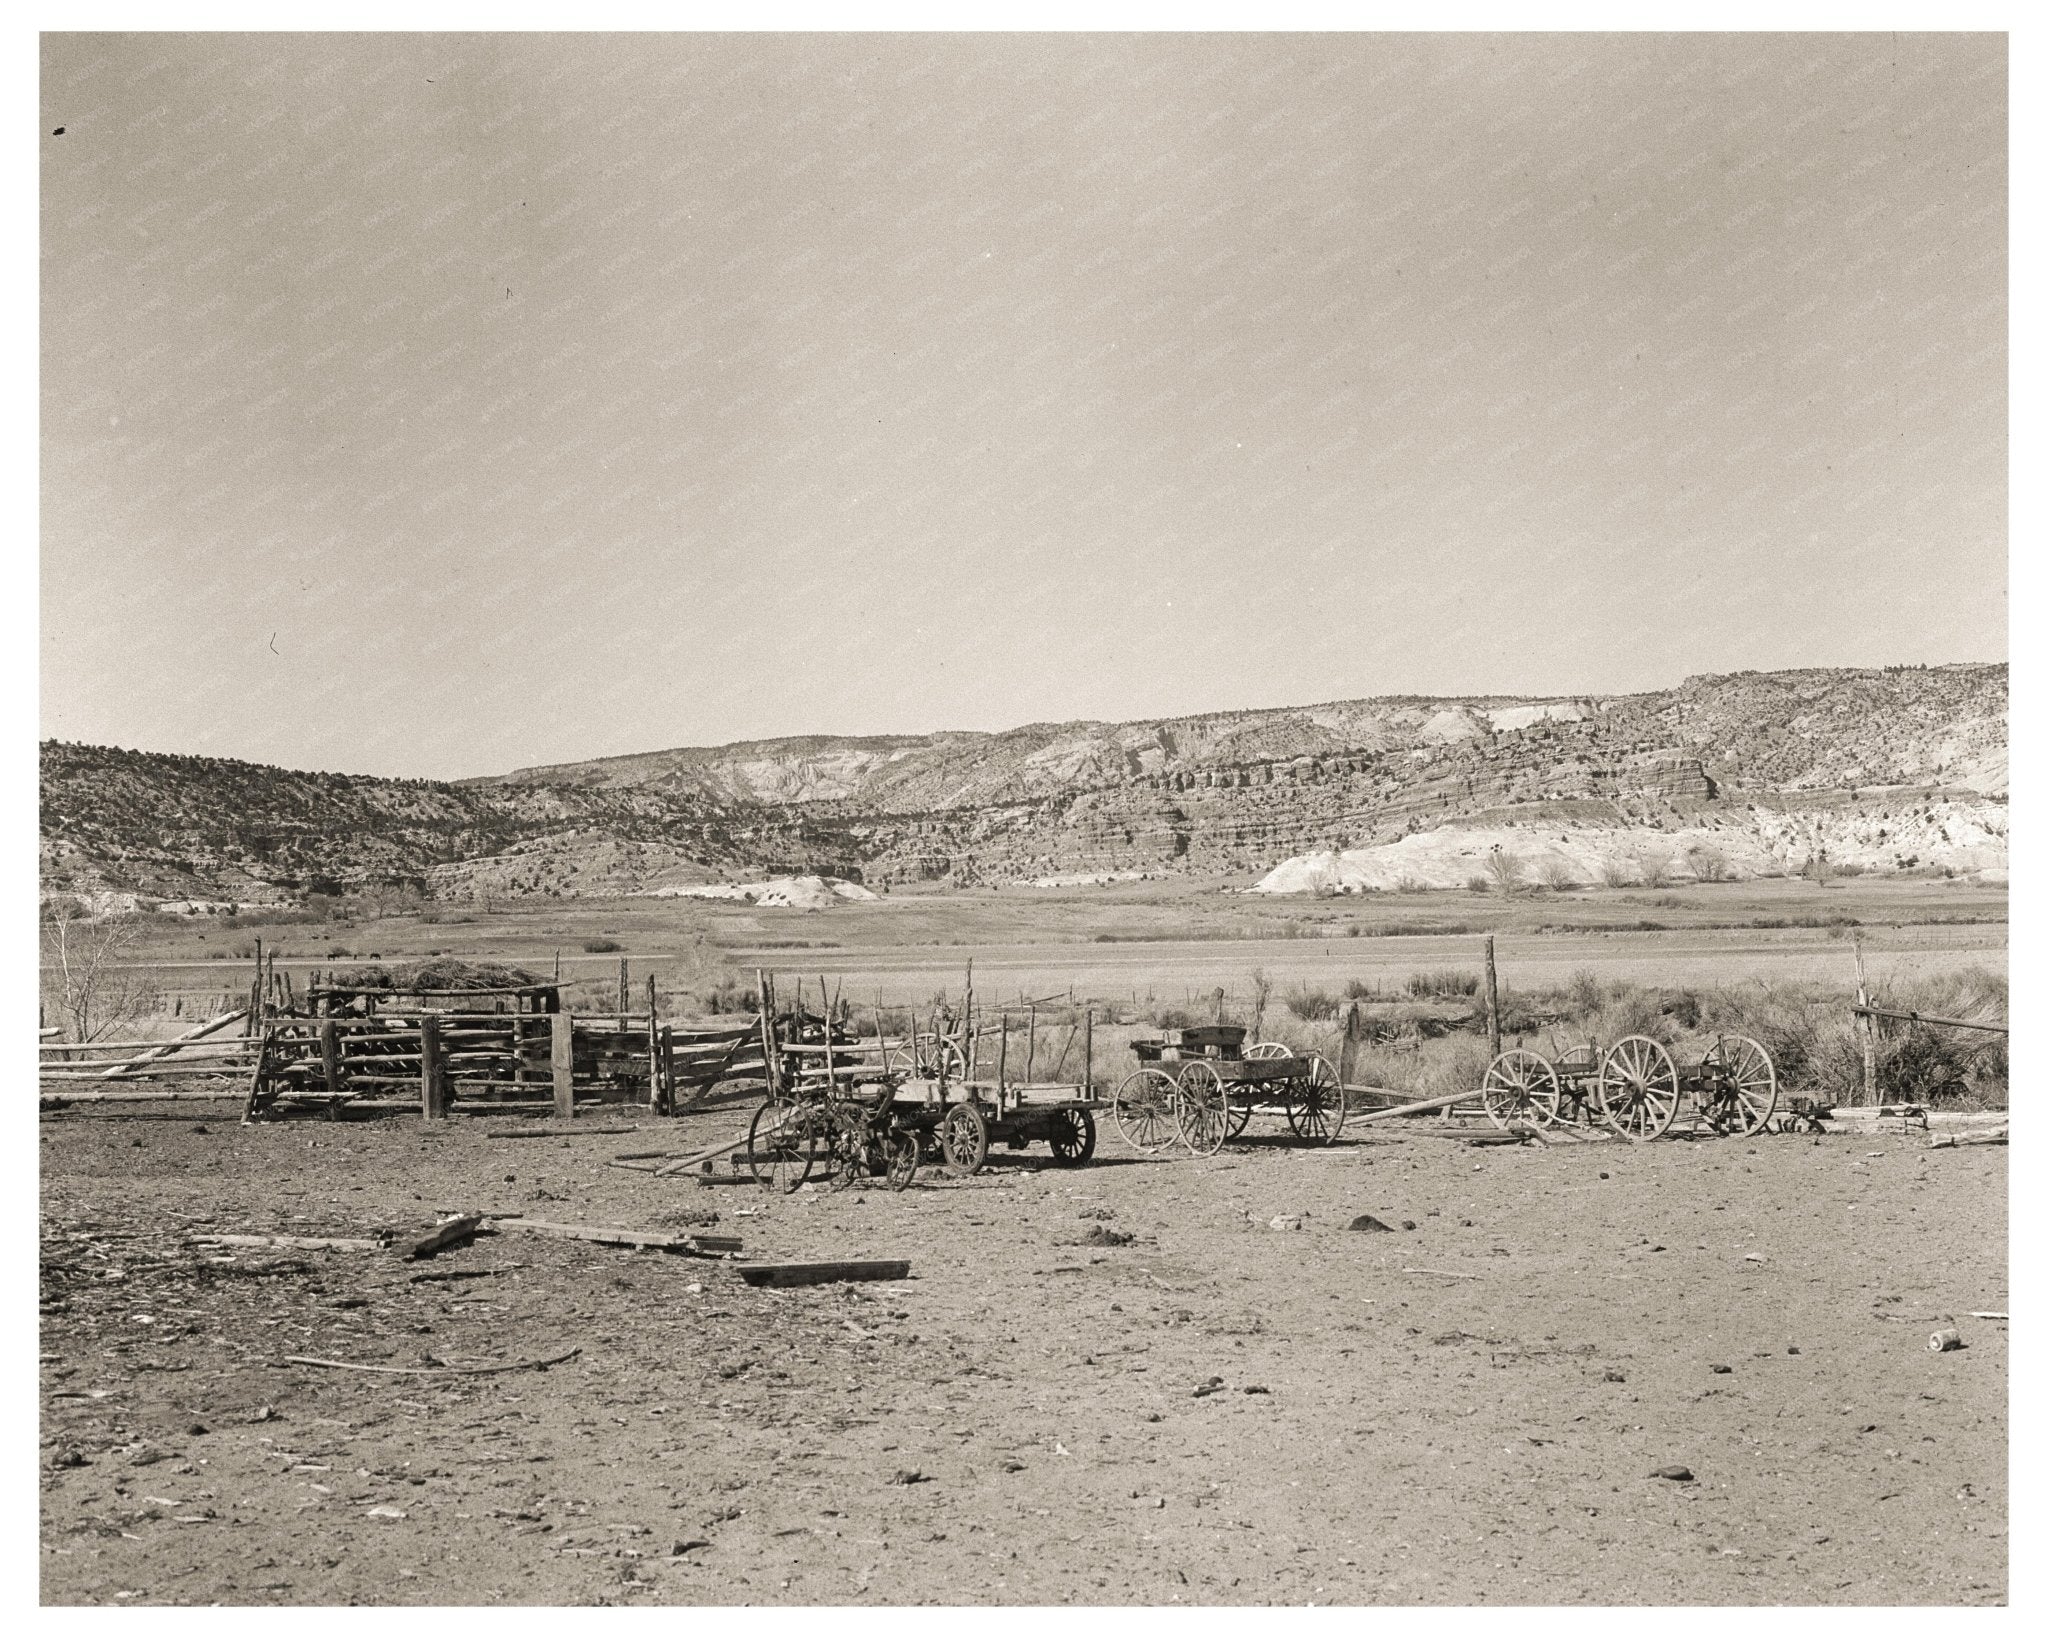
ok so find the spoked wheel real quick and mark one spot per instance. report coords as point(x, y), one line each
point(1741, 1085)
point(1521, 1085)
point(963, 1139)
point(1204, 1108)
point(1240, 1112)
point(1146, 1109)
point(1315, 1102)
point(1072, 1138)
point(1268, 1049)
point(901, 1149)
point(781, 1145)
point(1638, 1088)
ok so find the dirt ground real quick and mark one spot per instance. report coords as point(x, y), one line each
point(1466, 1411)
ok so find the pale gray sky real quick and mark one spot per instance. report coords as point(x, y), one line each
point(435, 405)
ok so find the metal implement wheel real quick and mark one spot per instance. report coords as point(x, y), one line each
point(1521, 1085)
point(846, 1147)
point(963, 1139)
point(1638, 1090)
point(1739, 1085)
point(1204, 1108)
point(1315, 1101)
point(1072, 1138)
point(901, 1147)
point(1146, 1110)
point(781, 1144)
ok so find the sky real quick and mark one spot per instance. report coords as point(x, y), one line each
point(437, 405)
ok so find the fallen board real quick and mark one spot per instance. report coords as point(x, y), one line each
point(425, 1242)
point(650, 1239)
point(821, 1273)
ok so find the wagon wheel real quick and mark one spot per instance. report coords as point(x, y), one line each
point(1240, 1102)
point(1745, 1085)
point(1638, 1091)
point(781, 1144)
point(1315, 1102)
point(1521, 1085)
point(1146, 1107)
point(901, 1147)
point(1072, 1136)
point(1204, 1107)
point(1268, 1049)
point(963, 1139)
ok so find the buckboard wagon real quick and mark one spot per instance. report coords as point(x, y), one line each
point(1201, 1085)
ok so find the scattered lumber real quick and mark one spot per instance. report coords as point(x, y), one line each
point(568, 1131)
point(638, 1239)
point(781, 1274)
point(1995, 1137)
point(433, 1370)
point(448, 1232)
point(690, 1163)
point(288, 1242)
point(1420, 1107)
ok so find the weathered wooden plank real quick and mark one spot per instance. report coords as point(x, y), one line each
point(425, 1242)
point(638, 1239)
point(821, 1273)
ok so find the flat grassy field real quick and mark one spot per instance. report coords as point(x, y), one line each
point(1144, 943)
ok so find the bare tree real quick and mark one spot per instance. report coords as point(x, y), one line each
point(1709, 864)
point(1556, 875)
point(1653, 866)
point(1507, 871)
point(85, 982)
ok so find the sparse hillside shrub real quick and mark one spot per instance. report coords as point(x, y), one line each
point(1442, 982)
point(1653, 866)
point(1311, 1006)
point(602, 946)
point(1479, 884)
point(1617, 873)
point(1361, 989)
point(1556, 875)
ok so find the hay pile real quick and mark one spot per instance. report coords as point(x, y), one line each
point(436, 973)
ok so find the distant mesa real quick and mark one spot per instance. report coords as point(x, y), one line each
point(1892, 768)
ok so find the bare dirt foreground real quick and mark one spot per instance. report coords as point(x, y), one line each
point(1217, 1412)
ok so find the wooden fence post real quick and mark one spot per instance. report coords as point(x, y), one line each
point(1866, 1028)
point(1492, 1001)
point(1088, 1051)
point(657, 1101)
point(562, 1061)
point(430, 1068)
point(330, 1055)
point(1347, 1051)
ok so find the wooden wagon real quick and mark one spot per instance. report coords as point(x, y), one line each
point(1201, 1085)
point(1636, 1087)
